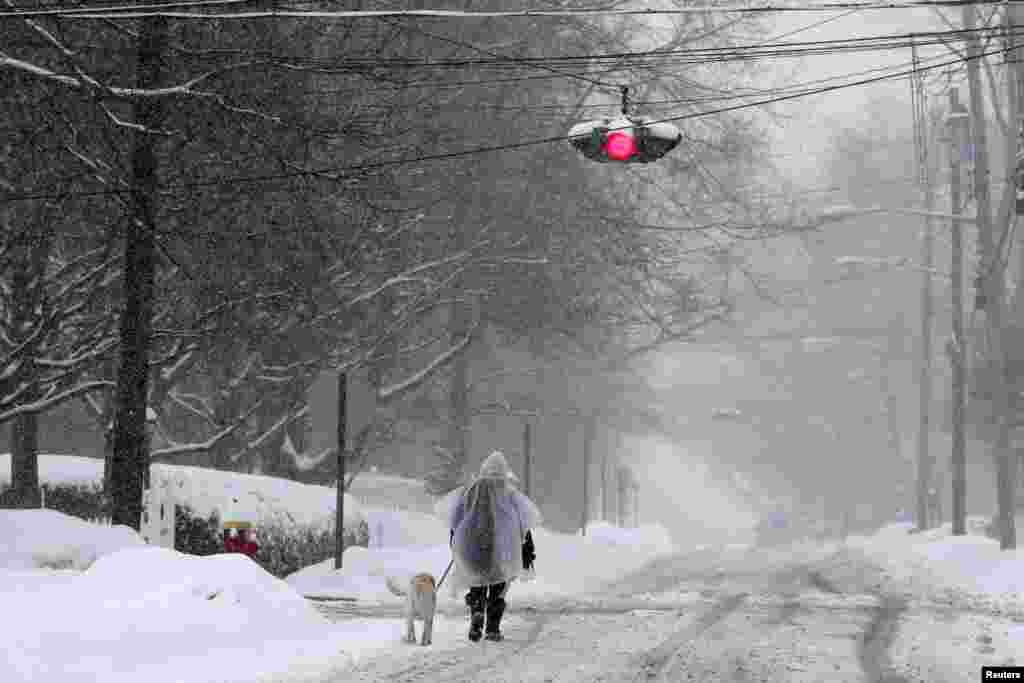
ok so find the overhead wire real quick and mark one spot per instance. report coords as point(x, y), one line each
point(50, 11)
point(460, 43)
point(646, 59)
point(546, 67)
point(144, 11)
point(701, 55)
point(484, 82)
point(337, 172)
point(623, 60)
point(790, 95)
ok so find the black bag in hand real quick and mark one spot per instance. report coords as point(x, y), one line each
point(529, 553)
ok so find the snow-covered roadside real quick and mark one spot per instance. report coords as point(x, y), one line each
point(95, 603)
point(566, 564)
point(118, 610)
point(964, 596)
point(967, 571)
point(254, 497)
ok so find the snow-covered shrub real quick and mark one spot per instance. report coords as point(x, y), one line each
point(85, 501)
point(285, 547)
point(195, 535)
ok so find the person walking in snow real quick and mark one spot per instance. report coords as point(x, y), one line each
point(490, 524)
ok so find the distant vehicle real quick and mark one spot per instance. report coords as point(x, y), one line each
point(773, 529)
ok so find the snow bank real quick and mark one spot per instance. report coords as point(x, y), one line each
point(131, 611)
point(977, 588)
point(249, 496)
point(159, 615)
point(32, 539)
point(397, 528)
point(652, 536)
point(59, 469)
point(567, 564)
point(936, 565)
point(140, 611)
point(391, 492)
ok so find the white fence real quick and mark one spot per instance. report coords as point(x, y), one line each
point(157, 516)
point(158, 508)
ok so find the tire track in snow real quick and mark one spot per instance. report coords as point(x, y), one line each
point(873, 650)
point(654, 663)
point(877, 639)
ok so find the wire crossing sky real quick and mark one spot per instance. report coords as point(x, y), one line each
point(174, 10)
point(338, 172)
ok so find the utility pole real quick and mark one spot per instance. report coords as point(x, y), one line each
point(588, 440)
point(527, 455)
point(1014, 17)
point(924, 465)
point(958, 346)
point(339, 522)
point(991, 280)
point(131, 456)
point(605, 497)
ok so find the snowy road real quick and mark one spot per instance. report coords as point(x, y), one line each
point(713, 616)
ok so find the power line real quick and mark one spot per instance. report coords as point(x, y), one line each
point(623, 60)
point(333, 173)
point(460, 43)
point(147, 11)
point(703, 54)
point(721, 95)
point(40, 11)
point(398, 85)
point(593, 81)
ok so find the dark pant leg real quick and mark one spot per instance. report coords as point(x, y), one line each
point(476, 598)
point(497, 591)
point(495, 606)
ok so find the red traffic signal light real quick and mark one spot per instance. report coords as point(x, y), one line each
point(624, 140)
point(619, 145)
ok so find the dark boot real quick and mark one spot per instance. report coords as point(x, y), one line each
point(475, 600)
point(495, 610)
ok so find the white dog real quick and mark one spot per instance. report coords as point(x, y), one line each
point(420, 603)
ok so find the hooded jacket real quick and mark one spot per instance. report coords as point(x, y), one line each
point(489, 519)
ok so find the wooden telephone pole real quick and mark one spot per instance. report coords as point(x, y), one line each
point(339, 522)
point(958, 345)
point(924, 379)
point(589, 428)
point(527, 456)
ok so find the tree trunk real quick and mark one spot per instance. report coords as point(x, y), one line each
point(458, 407)
point(457, 437)
point(31, 252)
point(992, 278)
point(131, 456)
point(25, 460)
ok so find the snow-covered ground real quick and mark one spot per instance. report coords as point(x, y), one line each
point(95, 602)
point(935, 566)
point(964, 596)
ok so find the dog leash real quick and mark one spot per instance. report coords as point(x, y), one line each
point(445, 575)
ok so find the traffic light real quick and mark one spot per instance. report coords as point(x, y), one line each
point(625, 140)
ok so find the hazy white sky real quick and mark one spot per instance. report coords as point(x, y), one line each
point(803, 137)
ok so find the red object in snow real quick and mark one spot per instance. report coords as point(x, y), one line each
point(237, 540)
